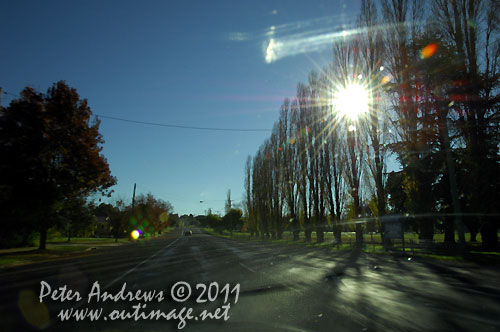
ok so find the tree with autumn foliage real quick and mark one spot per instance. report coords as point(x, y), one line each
point(150, 215)
point(51, 152)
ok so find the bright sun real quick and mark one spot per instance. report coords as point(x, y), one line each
point(351, 101)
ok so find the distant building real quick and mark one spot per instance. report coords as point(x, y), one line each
point(102, 226)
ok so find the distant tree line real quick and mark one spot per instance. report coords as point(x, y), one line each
point(231, 221)
point(433, 84)
point(149, 215)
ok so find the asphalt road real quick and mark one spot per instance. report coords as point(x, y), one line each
point(281, 288)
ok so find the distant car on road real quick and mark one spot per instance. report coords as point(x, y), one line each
point(188, 233)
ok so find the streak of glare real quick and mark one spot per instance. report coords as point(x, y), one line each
point(302, 43)
point(304, 37)
point(272, 50)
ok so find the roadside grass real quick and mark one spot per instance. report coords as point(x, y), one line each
point(373, 245)
point(35, 256)
point(56, 238)
point(84, 240)
point(68, 248)
point(59, 247)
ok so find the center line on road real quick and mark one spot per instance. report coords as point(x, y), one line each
point(248, 268)
point(79, 304)
point(135, 267)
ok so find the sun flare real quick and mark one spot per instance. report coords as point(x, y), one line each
point(351, 101)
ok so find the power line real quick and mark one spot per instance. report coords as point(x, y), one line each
point(181, 127)
point(12, 94)
point(169, 125)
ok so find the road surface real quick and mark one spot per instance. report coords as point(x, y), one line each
point(281, 288)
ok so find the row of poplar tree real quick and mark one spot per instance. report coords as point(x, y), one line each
point(431, 69)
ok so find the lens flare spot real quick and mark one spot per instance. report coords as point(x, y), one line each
point(164, 217)
point(34, 312)
point(386, 79)
point(291, 140)
point(428, 51)
point(135, 234)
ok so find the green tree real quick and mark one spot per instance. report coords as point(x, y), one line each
point(117, 215)
point(51, 152)
point(76, 216)
point(472, 29)
point(151, 214)
point(214, 221)
point(232, 220)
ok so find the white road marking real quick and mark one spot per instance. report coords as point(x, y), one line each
point(135, 267)
point(248, 268)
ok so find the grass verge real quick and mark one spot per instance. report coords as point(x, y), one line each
point(373, 246)
point(35, 256)
point(59, 247)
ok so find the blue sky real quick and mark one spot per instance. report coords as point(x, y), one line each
point(190, 63)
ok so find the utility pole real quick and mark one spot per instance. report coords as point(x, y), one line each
point(0, 96)
point(133, 209)
point(228, 210)
point(133, 198)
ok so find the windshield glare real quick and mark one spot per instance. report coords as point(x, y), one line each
point(250, 165)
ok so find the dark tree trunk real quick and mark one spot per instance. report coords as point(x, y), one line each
point(426, 229)
point(296, 228)
point(320, 231)
point(489, 235)
point(43, 239)
point(337, 233)
point(320, 236)
point(359, 234)
point(358, 227)
point(279, 228)
point(307, 231)
point(263, 228)
point(473, 235)
point(449, 231)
